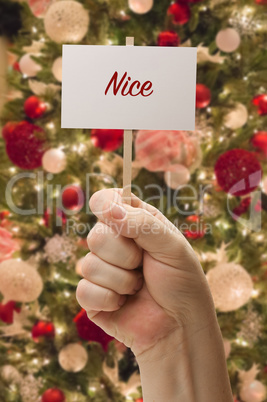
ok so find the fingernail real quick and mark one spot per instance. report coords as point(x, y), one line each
point(117, 211)
point(139, 284)
point(122, 300)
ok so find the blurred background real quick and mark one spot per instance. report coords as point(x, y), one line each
point(210, 182)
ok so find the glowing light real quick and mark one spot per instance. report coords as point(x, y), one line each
point(260, 237)
point(15, 229)
point(255, 293)
point(59, 330)
point(12, 170)
point(221, 138)
point(50, 125)
point(34, 29)
point(35, 361)
point(202, 175)
point(245, 78)
point(37, 187)
point(56, 276)
point(66, 293)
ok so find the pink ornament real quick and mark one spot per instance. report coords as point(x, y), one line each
point(7, 245)
point(159, 150)
point(39, 7)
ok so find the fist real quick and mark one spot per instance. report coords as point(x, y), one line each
point(142, 280)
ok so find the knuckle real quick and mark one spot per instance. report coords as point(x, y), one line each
point(81, 291)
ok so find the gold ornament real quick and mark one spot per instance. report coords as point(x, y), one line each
point(73, 357)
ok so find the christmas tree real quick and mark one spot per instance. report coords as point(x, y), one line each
point(209, 182)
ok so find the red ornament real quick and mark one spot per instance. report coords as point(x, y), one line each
point(16, 66)
point(261, 2)
point(25, 145)
point(180, 13)
point(168, 38)
point(8, 129)
point(90, 331)
point(242, 207)
point(259, 140)
point(196, 228)
point(238, 172)
point(261, 102)
point(43, 328)
point(34, 107)
point(203, 96)
point(139, 400)
point(73, 197)
point(53, 395)
point(108, 140)
point(7, 311)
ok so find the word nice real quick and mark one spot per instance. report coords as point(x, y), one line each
point(132, 89)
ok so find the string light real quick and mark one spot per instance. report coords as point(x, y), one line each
point(202, 175)
point(12, 170)
point(255, 293)
point(34, 29)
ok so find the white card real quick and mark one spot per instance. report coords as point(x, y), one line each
point(128, 87)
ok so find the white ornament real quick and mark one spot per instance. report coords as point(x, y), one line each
point(230, 286)
point(228, 40)
point(73, 357)
point(237, 117)
point(78, 266)
point(54, 161)
point(178, 176)
point(227, 347)
point(30, 388)
point(28, 66)
point(19, 281)
point(59, 249)
point(140, 6)
point(251, 390)
point(66, 21)
point(10, 374)
point(57, 69)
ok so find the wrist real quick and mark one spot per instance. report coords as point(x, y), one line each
point(186, 366)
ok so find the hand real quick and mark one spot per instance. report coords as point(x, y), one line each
point(139, 310)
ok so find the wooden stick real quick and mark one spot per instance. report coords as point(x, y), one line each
point(127, 152)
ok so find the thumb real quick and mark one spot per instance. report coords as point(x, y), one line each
point(145, 225)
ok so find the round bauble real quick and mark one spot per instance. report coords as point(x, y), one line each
point(66, 21)
point(28, 66)
point(26, 145)
point(54, 161)
point(228, 40)
point(140, 6)
point(19, 281)
point(34, 107)
point(259, 141)
point(43, 329)
point(53, 395)
point(230, 286)
point(179, 12)
point(168, 38)
point(8, 245)
point(261, 102)
point(203, 96)
point(57, 69)
point(8, 129)
point(73, 357)
point(177, 176)
point(253, 392)
point(238, 172)
point(39, 7)
point(10, 374)
point(107, 140)
point(236, 118)
point(73, 197)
